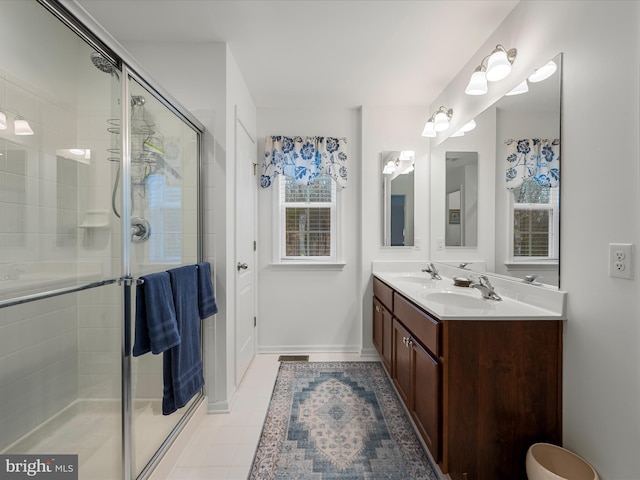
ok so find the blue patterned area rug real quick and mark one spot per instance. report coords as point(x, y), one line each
point(337, 421)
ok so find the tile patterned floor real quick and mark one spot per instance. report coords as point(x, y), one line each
point(224, 445)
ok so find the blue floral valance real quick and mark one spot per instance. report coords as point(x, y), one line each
point(304, 158)
point(533, 157)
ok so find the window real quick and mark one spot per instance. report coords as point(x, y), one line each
point(535, 222)
point(165, 217)
point(307, 225)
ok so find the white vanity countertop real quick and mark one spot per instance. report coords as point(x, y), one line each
point(446, 301)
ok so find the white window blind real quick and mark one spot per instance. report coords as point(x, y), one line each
point(307, 227)
point(535, 221)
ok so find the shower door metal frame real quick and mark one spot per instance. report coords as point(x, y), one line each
point(77, 19)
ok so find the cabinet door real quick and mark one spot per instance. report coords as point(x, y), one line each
point(387, 338)
point(382, 335)
point(426, 398)
point(402, 372)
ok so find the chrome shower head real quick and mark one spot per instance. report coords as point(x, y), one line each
point(104, 65)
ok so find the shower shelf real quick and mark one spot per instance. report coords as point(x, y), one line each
point(95, 219)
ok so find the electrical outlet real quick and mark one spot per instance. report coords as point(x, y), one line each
point(439, 243)
point(620, 261)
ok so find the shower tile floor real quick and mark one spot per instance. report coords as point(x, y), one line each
point(91, 429)
point(223, 445)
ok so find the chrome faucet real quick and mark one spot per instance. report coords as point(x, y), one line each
point(464, 264)
point(433, 271)
point(485, 287)
point(531, 279)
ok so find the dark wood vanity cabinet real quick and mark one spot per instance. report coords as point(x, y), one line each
point(382, 321)
point(417, 380)
point(479, 392)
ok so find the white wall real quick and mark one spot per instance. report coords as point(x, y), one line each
point(302, 309)
point(389, 128)
point(600, 204)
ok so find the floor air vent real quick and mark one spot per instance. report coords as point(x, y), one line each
point(293, 358)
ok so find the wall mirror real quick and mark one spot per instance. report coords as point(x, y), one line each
point(461, 201)
point(398, 198)
point(517, 143)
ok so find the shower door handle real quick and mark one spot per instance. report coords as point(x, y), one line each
point(242, 266)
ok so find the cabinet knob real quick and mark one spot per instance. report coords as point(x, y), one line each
point(377, 308)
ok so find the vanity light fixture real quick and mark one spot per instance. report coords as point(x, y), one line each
point(428, 129)
point(543, 72)
point(499, 63)
point(459, 133)
point(438, 122)
point(21, 127)
point(498, 68)
point(519, 89)
point(3, 121)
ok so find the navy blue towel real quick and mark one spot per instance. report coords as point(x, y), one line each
point(156, 328)
point(206, 297)
point(182, 374)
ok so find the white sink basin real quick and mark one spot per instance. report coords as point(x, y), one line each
point(413, 278)
point(460, 300)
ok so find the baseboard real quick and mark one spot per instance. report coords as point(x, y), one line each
point(222, 406)
point(305, 349)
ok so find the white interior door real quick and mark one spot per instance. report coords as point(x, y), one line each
point(246, 296)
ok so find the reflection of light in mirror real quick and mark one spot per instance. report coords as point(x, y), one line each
point(467, 127)
point(407, 155)
point(21, 127)
point(459, 133)
point(519, 89)
point(389, 168)
point(3, 121)
point(543, 72)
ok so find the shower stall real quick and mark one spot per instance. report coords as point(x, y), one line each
point(100, 189)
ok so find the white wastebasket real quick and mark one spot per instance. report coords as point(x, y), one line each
point(551, 462)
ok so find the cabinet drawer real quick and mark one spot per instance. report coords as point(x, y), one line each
point(383, 292)
point(423, 328)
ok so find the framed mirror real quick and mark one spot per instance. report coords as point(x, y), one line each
point(398, 198)
point(517, 143)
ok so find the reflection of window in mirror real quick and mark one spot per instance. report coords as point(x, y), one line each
point(535, 222)
point(461, 201)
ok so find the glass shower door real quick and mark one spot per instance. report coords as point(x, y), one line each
point(60, 306)
point(164, 152)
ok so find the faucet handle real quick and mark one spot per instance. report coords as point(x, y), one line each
point(531, 278)
point(464, 264)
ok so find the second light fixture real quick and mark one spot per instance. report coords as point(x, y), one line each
point(438, 122)
point(498, 68)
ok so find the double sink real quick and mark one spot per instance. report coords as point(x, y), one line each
point(443, 299)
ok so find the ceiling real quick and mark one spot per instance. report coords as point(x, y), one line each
point(318, 53)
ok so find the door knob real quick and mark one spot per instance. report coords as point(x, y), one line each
point(242, 266)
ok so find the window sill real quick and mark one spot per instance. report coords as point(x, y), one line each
point(308, 266)
point(540, 265)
